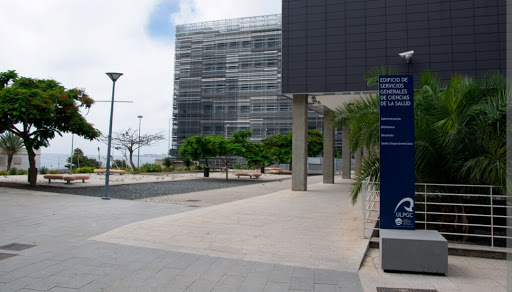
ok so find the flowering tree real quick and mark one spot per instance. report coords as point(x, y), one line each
point(36, 109)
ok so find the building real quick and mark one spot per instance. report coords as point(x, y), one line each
point(228, 77)
point(328, 45)
point(19, 160)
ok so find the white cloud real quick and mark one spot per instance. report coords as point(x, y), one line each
point(76, 42)
point(206, 10)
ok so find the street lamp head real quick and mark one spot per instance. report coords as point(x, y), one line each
point(140, 117)
point(114, 76)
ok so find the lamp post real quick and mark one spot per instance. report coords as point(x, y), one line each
point(113, 77)
point(169, 143)
point(138, 150)
point(227, 130)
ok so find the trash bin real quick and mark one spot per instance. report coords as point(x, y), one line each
point(206, 171)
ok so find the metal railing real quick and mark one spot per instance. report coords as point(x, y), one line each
point(467, 214)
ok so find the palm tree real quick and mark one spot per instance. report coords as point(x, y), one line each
point(459, 129)
point(10, 143)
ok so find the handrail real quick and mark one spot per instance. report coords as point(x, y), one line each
point(490, 208)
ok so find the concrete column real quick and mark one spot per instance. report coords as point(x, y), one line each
point(358, 158)
point(346, 164)
point(328, 149)
point(300, 143)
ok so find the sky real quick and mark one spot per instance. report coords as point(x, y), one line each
point(76, 42)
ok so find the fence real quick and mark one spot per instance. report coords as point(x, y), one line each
point(467, 214)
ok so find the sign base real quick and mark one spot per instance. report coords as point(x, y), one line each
point(419, 251)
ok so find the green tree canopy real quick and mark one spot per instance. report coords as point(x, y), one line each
point(37, 109)
point(80, 160)
point(196, 148)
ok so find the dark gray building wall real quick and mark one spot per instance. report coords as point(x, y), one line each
point(328, 45)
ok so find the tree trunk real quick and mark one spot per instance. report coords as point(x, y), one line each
point(32, 166)
point(9, 162)
point(131, 161)
point(227, 169)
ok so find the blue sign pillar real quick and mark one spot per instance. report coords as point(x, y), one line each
point(396, 94)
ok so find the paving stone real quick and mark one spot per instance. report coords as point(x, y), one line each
point(281, 276)
point(326, 288)
point(277, 287)
point(201, 285)
point(302, 283)
point(326, 277)
point(229, 282)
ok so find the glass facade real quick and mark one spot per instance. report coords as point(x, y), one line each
point(228, 77)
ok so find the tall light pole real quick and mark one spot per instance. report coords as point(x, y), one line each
point(227, 130)
point(138, 150)
point(169, 144)
point(113, 77)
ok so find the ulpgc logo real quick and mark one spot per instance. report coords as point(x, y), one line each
point(404, 212)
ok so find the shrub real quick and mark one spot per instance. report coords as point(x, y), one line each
point(4, 172)
point(22, 172)
point(87, 169)
point(43, 170)
point(13, 171)
point(198, 167)
point(54, 171)
point(148, 167)
point(167, 162)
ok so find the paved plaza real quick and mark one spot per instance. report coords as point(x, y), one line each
point(258, 237)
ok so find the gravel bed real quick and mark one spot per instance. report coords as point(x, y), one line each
point(143, 190)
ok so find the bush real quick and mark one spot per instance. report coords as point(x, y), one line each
point(87, 169)
point(148, 167)
point(4, 172)
point(198, 167)
point(54, 171)
point(13, 171)
point(22, 172)
point(167, 162)
point(43, 170)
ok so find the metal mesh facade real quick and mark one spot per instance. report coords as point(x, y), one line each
point(228, 77)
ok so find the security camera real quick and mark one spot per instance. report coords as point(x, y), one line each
point(407, 55)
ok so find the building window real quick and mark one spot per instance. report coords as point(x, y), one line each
point(208, 88)
point(207, 109)
point(256, 132)
point(258, 43)
point(207, 130)
point(219, 109)
point(258, 65)
point(272, 64)
point(271, 87)
point(231, 88)
point(221, 46)
point(246, 44)
point(257, 108)
point(245, 65)
point(208, 47)
point(232, 109)
point(245, 87)
point(220, 87)
point(271, 108)
point(244, 109)
point(284, 108)
point(233, 45)
point(258, 87)
point(219, 130)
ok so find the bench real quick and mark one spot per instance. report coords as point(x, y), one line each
point(280, 171)
point(213, 168)
point(102, 170)
point(249, 174)
point(83, 177)
point(67, 177)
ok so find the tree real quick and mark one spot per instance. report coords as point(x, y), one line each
point(278, 147)
point(459, 130)
point(129, 141)
point(80, 160)
point(36, 109)
point(10, 143)
point(167, 162)
point(196, 148)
